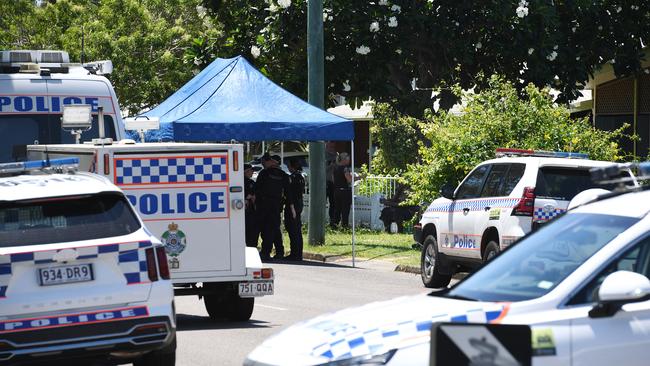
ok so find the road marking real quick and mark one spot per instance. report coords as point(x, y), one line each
point(272, 307)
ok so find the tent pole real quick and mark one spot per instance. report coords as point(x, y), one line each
point(354, 251)
point(281, 152)
point(263, 147)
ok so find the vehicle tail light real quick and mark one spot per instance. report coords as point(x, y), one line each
point(107, 164)
point(162, 263)
point(267, 272)
point(151, 265)
point(526, 204)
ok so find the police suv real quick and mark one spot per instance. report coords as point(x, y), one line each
point(581, 283)
point(498, 202)
point(35, 85)
point(81, 277)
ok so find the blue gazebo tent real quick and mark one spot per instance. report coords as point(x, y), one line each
point(231, 100)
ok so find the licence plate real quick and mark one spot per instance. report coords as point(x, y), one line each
point(251, 289)
point(65, 274)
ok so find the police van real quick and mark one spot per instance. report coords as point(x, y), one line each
point(81, 278)
point(191, 197)
point(34, 88)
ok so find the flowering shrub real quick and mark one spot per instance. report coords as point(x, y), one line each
point(500, 117)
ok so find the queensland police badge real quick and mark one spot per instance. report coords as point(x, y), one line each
point(175, 242)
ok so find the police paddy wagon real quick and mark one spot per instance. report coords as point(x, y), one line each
point(498, 202)
point(34, 88)
point(191, 197)
point(580, 282)
point(81, 278)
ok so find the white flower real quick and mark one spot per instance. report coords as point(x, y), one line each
point(374, 26)
point(600, 27)
point(457, 24)
point(578, 58)
point(398, 51)
point(530, 51)
point(396, 8)
point(619, 9)
point(479, 45)
point(522, 11)
point(552, 56)
point(273, 8)
point(573, 29)
point(555, 47)
point(331, 85)
point(330, 18)
point(329, 58)
point(284, 3)
point(392, 22)
point(363, 50)
point(383, 2)
point(346, 86)
point(523, 3)
point(200, 10)
point(255, 51)
point(324, 17)
point(647, 71)
point(197, 62)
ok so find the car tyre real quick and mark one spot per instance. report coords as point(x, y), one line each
point(430, 265)
point(491, 250)
point(165, 356)
point(229, 306)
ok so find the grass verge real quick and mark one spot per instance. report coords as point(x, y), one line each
point(396, 248)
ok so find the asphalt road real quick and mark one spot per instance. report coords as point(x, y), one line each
point(302, 291)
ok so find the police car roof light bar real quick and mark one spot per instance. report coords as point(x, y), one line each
point(25, 166)
point(501, 152)
point(621, 173)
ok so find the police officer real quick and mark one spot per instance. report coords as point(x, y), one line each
point(342, 190)
point(292, 221)
point(252, 230)
point(271, 189)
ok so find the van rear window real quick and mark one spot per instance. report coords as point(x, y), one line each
point(65, 219)
point(564, 183)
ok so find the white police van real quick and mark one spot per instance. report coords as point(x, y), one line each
point(81, 278)
point(191, 197)
point(34, 88)
point(500, 201)
point(581, 282)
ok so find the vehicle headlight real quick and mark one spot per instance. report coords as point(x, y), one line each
point(380, 359)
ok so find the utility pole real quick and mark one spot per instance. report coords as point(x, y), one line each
point(316, 92)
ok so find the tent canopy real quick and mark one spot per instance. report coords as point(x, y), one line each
point(231, 100)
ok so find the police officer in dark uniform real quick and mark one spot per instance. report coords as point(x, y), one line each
point(292, 221)
point(252, 230)
point(271, 190)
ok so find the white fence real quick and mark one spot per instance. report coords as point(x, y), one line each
point(368, 194)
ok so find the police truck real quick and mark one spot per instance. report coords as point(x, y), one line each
point(190, 196)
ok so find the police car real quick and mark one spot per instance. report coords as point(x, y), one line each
point(80, 275)
point(496, 204)
point(580, 282)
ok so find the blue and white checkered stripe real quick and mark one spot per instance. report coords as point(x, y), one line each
point(347, 341)
point(541, 215)
point(130, 257)
point(475, 205)
point(156, 170)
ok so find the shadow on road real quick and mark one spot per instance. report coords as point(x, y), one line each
point(186, 322)
point(308, 263)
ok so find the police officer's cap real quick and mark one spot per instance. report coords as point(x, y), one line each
point(247, 166)
point(276, 158)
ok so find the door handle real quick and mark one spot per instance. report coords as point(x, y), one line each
point(488, 208)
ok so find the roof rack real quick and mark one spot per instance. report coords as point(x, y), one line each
point(502, 152)
point(62, 165)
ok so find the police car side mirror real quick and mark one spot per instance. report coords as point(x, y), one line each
point(618, 289)
point(447, 191)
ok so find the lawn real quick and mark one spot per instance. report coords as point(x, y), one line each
point(369, 245)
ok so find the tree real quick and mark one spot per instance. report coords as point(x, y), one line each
point(397, 136)
point(145, 39)
point(500, 117)
point(377, 48)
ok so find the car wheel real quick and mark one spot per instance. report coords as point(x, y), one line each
point(162, 357)
point(430, 265)
point(491, 250)
point(229, 306)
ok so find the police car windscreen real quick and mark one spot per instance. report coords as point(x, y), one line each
point(28, 129)
point(65, 219)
